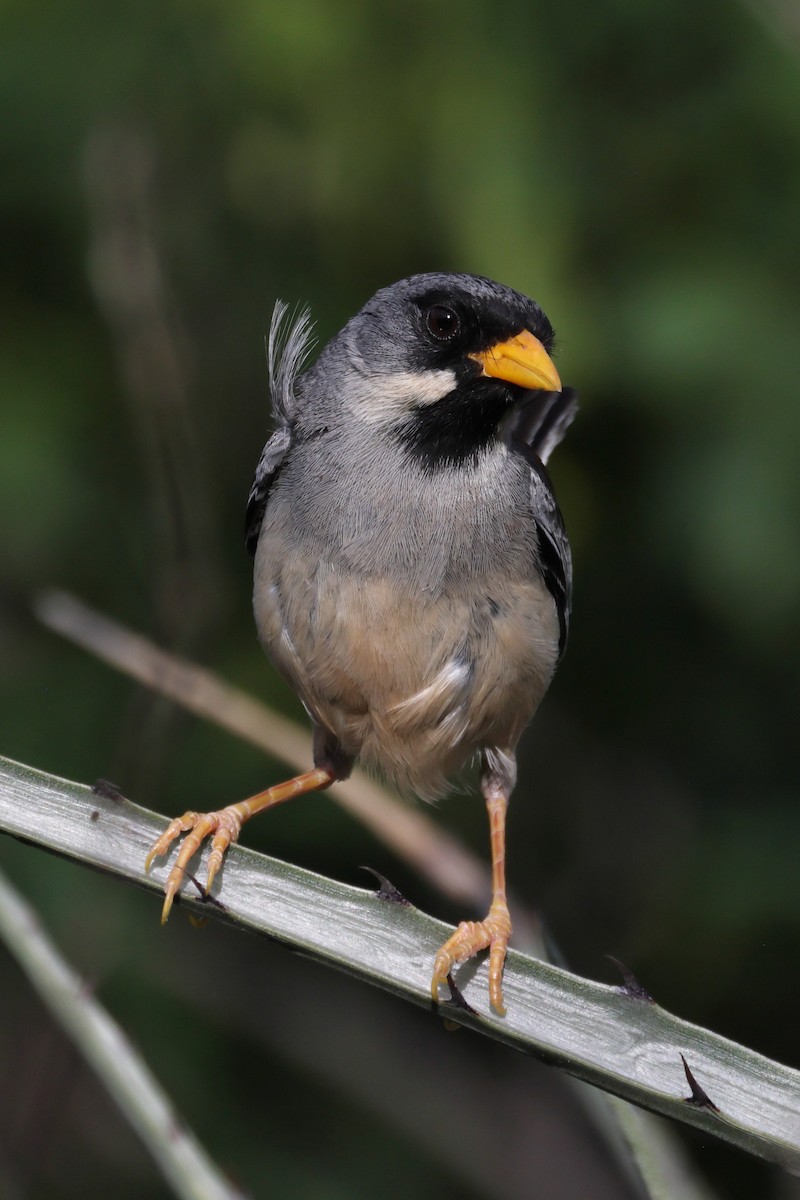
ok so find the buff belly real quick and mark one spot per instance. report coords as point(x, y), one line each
point(411, 682)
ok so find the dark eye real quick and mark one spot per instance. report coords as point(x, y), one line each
point(442, 322)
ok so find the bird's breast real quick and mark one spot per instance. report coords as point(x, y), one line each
point(368, 510)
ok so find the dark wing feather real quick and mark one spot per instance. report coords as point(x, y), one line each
point(269, 464)
point(536, 430)
point(542, 419)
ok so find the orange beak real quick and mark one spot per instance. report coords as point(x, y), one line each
point(521, 360)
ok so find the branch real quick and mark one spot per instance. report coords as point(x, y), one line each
point(605, 1035)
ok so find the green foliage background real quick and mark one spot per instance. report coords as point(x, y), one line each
point(166, 171)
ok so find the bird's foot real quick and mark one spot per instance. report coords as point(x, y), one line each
point(468, 940)
point(222, 827)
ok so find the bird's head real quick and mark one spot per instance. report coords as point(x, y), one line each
point(438, 360)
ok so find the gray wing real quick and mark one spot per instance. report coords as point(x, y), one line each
point(555, 557)
point(290, 341)
point(538, 427)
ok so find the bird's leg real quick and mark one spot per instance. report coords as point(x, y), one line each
point(494, 931)
point(223, 827)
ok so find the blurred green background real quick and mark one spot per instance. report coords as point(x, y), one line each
point(167, 170)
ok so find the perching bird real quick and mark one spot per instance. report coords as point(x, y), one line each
point(412, 573)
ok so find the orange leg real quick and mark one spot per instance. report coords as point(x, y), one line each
point(493, 933)
point(223, 827)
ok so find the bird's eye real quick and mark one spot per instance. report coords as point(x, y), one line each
point(442, 322)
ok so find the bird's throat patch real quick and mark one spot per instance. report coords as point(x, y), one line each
point(459, 427)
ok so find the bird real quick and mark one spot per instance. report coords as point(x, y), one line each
point(412, 574)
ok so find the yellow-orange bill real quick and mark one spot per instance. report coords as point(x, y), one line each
point(521, 360)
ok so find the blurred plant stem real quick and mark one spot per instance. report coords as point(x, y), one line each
point(131, 288)
point(130, 281)
point(179, 1156)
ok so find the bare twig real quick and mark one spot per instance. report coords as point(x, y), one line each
point(130, 282)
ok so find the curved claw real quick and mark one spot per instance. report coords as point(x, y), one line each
point(170, 890)
point(497, 961)
point(177, 826)
point(440, 973)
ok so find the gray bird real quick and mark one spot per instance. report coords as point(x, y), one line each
point(412, 574)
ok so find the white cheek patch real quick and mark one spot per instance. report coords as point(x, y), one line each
point(382, 399)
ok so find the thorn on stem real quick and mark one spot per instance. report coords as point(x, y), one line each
point(387, 890)
point(205, 897)
point(630, 984)
point(456, 1001)
point(699, 1097)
